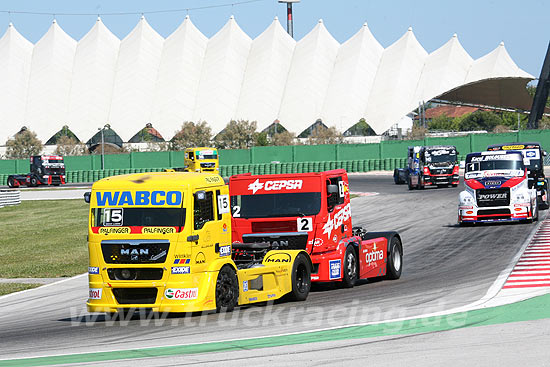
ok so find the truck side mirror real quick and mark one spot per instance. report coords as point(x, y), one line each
point(87, 196)
point(462, 164)
point(332, 189)
point(544, 153)
point(193, 238)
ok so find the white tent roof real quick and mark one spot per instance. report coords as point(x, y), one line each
point(15, 67)
point(188, 77)
point(92, 81)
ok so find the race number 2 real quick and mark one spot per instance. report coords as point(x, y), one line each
point(305, 224)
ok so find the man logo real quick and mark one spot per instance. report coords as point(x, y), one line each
point(200, 258)
point(278, 258)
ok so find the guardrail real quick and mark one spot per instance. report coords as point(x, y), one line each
point(9, 197)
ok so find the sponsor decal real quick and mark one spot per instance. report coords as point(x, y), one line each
point(225, 250)
point(134, 251)
point(182, 293)
point(530, 154)
point(120, 198)
point(158, 230)
point(318, 242)
point(114, 230)
point(182, 256)
point(276, 185)
point(278, 258)
point(495, 157)
point(182, 261)
point(245, 285)
point(224, 227)
point(159, 255)
point(200, 258)
point(335, 267)
point(181, 269)
point(493, 183)
point(95, 293)
point(93, 270)
point(270, 296)
point(212, 179)
point(223, 204)
point(253, 299)
point(492, 196)
point(340, 216)
point(374, 255)
point(314, 277)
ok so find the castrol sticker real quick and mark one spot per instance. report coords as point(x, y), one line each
point(182, 293)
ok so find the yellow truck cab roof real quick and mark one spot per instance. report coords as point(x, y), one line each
point(155, 180)
point(199, 148)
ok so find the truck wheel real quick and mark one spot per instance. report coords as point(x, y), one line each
point(409, 182)
point(34, 182)
point(395, 259)
point(11, 182)
point(301, 278)
point(227, 290)
point(350, 268)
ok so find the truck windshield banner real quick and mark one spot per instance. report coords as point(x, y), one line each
point(129, 198)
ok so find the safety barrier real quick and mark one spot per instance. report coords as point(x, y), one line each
point(9, 197)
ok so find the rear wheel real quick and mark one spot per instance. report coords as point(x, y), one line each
point(409, 182)
point(394, 265)
point(227, 290)
point(301, 278)
point(34, 181)
point(11, 182)
point(350, 268)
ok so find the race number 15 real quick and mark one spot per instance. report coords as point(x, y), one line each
point(112, 217)
point(305, 224)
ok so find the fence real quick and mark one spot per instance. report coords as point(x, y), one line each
point(385, 155)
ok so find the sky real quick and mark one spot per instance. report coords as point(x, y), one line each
point(480, 24)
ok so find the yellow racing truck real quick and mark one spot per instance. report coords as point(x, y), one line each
point(201, 160)
point(162, 242)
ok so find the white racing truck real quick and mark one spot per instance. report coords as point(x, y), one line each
point(496, 189)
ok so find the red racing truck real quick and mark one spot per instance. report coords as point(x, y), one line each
point(45, 170)
point(312, 212)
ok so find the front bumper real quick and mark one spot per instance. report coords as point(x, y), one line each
point(189, 293)
point(513, 212)
point(441, 179)
point(328, 266)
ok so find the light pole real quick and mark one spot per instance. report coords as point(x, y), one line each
point(107, 126)
point(289, 27)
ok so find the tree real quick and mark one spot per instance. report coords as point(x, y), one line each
point(417, 132)
point(323, 135)
point(192, 135)
point(510, 119)
point(443, 123)
point(67, 145)
point(239, 134)
point(23, 145)
point(261, 139)
point(283, 138)
point(479, 120)
point(544, 122)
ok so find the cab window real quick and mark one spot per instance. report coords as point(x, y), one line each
point(203, 208)
point(334, 197)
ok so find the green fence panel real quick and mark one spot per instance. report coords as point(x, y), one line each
point(150, 159)
point(312, 153)
point(348, 152)
point(536, 136)
point(234, 156)
point(462, 143)
point(481, 141)
point(271, 154)
point(8, 166)
point(120, 160)
point(397, 148)
point(177, 158)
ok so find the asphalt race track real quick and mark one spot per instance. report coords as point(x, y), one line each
point(445, 266)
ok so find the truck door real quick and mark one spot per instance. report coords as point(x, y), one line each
point(209, 224)
point(337, 208)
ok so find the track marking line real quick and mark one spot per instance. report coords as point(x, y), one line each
point(41, 287)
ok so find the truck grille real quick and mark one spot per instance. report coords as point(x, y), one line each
point(208, 165)
point(135, 273)
point(134, 251)
point(493, 197)
point(140, 296)
point(441, 171)
point(281, 241)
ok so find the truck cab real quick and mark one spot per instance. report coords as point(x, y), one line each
point(312, 212)
point(533, 155)
point(162, 241)
point(435, 165)
point(201, 160)
point(496, 189)
point(44, 170)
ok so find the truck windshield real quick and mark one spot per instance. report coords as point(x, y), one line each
point(440, 156)
point(276, 205)
point(206, 154)
point(144, 217)
point(494, 165)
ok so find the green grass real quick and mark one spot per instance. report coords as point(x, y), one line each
point(6, 288)
point(44, 239)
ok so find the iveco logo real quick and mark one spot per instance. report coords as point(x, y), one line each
point(142, 251)
point(492, 183)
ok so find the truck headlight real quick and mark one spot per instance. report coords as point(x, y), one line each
point(520, 197)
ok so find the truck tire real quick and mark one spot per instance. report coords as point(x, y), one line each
point(227, 289)
point(394, 265)
point(409, 183)
point(301, 278)
point(34, 182)
point(11, 182)
point(350, 268)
